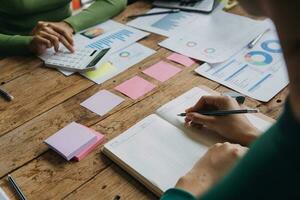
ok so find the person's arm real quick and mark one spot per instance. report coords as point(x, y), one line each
point(99, 11)
point(14, 44)
point(270, 170)
point(178, 194)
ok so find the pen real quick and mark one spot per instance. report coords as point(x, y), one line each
point(256, 40)
point(221, 112)
point(6, 95)
point(16, 187)
point(155, 13)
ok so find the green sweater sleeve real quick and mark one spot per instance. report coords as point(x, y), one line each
point(14, 44)
point(270, 170)
point(98, 12)
point(177, 194)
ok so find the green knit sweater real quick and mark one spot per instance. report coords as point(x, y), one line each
point(18, 17)
point(270, 170)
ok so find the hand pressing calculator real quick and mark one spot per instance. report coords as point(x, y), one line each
point(81, 60)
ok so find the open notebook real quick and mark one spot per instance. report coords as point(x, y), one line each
point(158, 150)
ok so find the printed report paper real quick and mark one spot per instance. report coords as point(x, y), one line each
point(259, 73)
point(215, 38)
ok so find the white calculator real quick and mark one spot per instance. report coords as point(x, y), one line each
point(81, 60)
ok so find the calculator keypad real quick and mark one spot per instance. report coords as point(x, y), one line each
point(77, 60)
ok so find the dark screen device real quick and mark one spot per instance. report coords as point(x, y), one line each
point(203, 6)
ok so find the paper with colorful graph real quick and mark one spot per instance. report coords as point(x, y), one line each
point(119, 62)
point(259, 73)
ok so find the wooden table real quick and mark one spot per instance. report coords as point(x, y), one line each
point(46, 101)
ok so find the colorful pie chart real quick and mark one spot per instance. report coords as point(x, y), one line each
point(124, 54)
point(210, 50)
point(259, 58)
point(191, 44)
point(272, 46)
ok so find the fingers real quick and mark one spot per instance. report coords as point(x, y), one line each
point(235, 150)
point(62, 32)
point(52, 38)
point(200, 119)
point(39, 44)
point(214, 102)
point(54, 34)
point(43, 41)
point(199, 105)
point(62, 39)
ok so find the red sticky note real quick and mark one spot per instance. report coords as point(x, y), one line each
point(162, 71)
point(90, 148)
point(181, 59)
point(135, 87)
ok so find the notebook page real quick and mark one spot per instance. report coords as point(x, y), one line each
point(170, 110)
point(156, 150)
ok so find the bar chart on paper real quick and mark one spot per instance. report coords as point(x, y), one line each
point(166, 24)
point(259, 73)
point(118, 38)
point(172, 21)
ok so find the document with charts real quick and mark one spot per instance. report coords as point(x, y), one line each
point(117, 62)
point(158, 150)
point(165, 24)
point(216, 37)
point(259, 73)
point(109, 34)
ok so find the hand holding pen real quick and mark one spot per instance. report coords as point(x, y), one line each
point(231, 125)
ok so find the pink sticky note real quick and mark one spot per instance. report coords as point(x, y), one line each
point(162, 71)
point(102, 102)
point(89, 149)
point(71, 140)
point(135, 87)
point(181, 59)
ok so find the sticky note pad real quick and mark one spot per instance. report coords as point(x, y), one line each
point(102, 102)
point(102, 70)
point(135, 87)
point(89, 149)
point(181, 59)
point(71, 140)
point(162, 71)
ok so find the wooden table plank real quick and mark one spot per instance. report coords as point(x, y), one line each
point(29, 137)
point(35, 93)
point(34, 177)
point(110, 183)
point(14, 67)
point(46, 101)
point(36, 130)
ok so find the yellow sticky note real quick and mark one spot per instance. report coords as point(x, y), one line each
point(104, 69)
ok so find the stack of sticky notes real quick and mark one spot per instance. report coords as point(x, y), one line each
point(74, 141)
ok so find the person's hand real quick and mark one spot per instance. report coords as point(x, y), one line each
point(212, 167)
point(50, 34)
point(236, 128)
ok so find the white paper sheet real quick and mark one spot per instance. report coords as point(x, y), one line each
point(259, 73)
point(120, 60)
point(154, 149)
point(165, 24)
point(215, 38)
point(114, 35)
point(170, 110)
